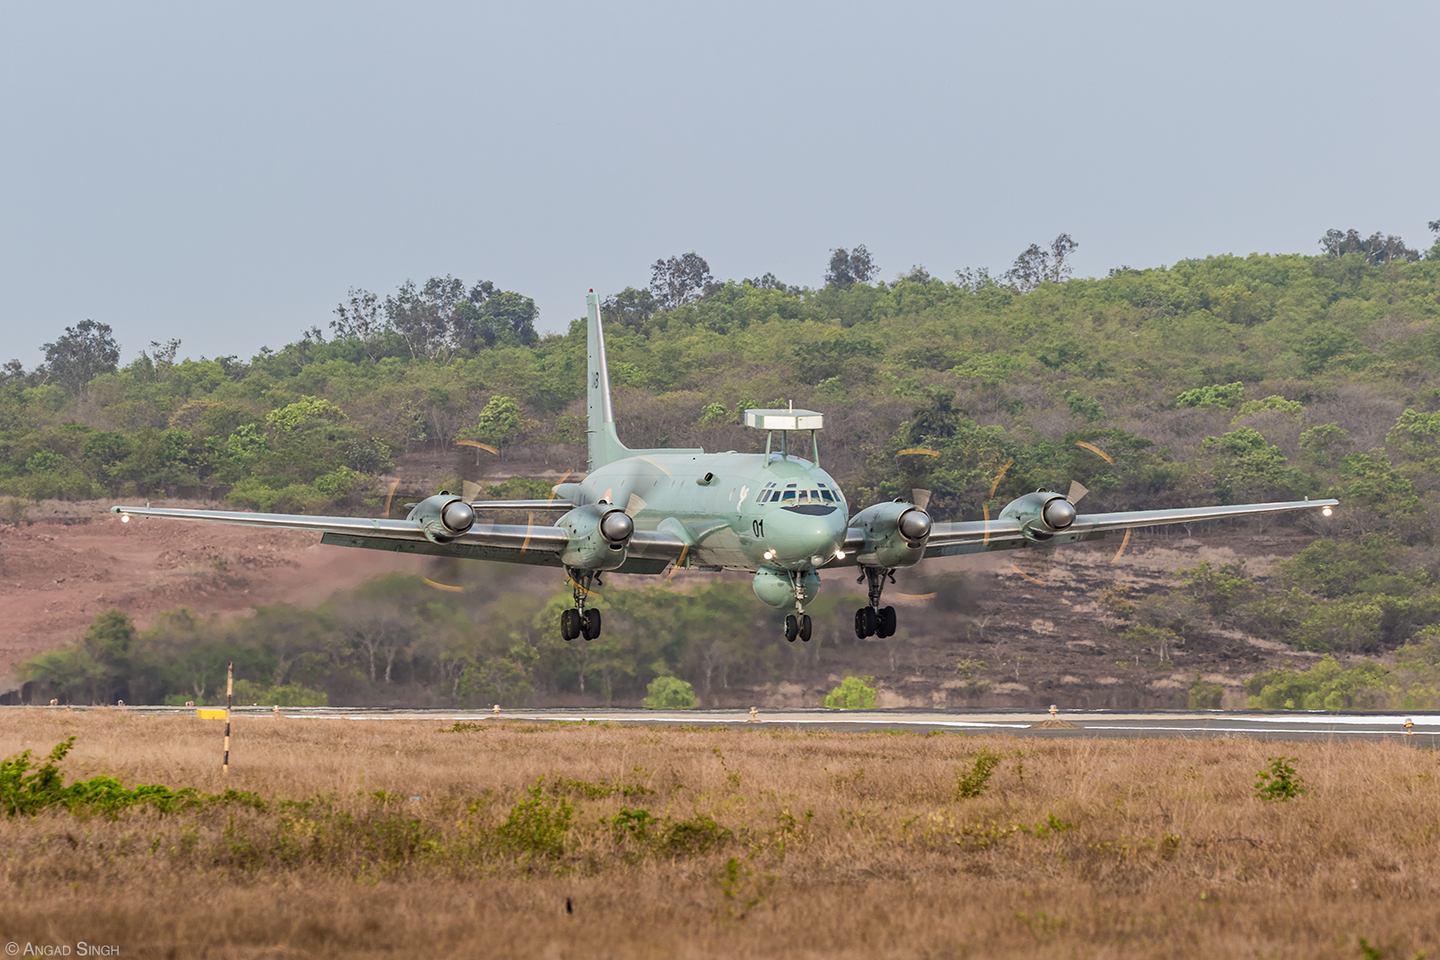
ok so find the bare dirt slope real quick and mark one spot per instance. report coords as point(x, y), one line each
point(1025, 626)
point(74, 560)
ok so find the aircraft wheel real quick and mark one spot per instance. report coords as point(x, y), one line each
point(591, 624)
point(792, 627)
point(570, 624)
point(860, 633)
point(886, 627)
point(872, 622)
point(805, 627)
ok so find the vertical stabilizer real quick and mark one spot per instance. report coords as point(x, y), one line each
point(605, 445)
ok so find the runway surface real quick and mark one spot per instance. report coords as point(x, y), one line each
point(1291, 725)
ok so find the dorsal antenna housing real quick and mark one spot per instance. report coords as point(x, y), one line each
point(786, 420)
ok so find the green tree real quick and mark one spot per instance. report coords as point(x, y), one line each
point(288, 695)
point(72, 674)
point(630, 308)
point(303, 413)
point(669, 693)
point(1250, 467)
point(1325, 444)
point(109, 637)
point(500, 422)
point(854, 693)
point(85, 351)
point(1377, 248)
point(96, 671)
point(1220, 589)
point(500, 680)
point(1036, 265)
point(1214, 397)
point(849, 267)
point(1204, 696)
point(1325, 686)
point(508, 318)
point(1417, 437)
point(678, 280)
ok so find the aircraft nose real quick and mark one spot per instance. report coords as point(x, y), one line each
point(800, 540)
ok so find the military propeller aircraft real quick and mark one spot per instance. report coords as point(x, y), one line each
point(775, 514)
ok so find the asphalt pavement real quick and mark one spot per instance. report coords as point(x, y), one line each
point(1280, 726)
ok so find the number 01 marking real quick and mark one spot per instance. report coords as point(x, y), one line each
point(759, 527)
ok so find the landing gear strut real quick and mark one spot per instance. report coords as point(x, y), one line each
point(875, 620)
point(798, 624)
point(578, 622)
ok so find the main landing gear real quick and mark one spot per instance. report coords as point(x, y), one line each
point(875, 620)
point(578, 621)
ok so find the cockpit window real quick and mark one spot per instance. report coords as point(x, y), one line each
point(825, 495)
point(789, 494)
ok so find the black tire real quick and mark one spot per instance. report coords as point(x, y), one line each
point(860, 633)
point(805, 627)
point(570, 624)
point(872, 622)
point(591, 623)
point(887, 622)
point(792, 627)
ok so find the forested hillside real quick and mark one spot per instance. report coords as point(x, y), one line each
point(1217, 380)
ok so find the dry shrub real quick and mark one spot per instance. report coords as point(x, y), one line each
point(754, 842)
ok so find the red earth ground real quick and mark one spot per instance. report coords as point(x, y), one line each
point(73, 560)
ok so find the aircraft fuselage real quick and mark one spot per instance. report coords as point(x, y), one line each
point(736, 511)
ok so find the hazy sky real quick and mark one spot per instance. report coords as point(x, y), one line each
point(224, 173)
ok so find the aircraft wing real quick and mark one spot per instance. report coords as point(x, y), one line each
point(976, 536)
point(541, 545)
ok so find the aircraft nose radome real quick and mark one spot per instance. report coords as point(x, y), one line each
point(799, 539)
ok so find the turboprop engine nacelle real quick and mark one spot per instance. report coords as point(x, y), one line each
point(599, 536)
point(1041, 515)
point(443, 517)
point(895, 534)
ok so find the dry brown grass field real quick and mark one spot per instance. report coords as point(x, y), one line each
point(401, 839)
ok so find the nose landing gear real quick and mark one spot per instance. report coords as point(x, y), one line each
point(798, 624)
point(875, 620)
point(578, 621)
